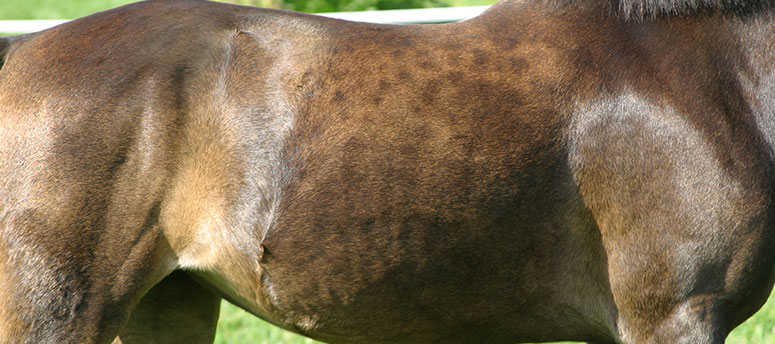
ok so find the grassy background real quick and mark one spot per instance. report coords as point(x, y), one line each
point(235, 325)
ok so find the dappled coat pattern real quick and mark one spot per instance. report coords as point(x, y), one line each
point(593, 170)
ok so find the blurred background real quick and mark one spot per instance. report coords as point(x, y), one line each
point(57, 9)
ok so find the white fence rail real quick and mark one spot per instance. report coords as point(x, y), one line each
point(25, 26)
point(413, 16)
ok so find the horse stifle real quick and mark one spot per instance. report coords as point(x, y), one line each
point(594, 170)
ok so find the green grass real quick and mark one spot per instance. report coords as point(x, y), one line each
point(237, 327)
point(54, 9)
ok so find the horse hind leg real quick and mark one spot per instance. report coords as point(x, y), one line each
point(55, 291)
point(177, 310)
point(79, 245)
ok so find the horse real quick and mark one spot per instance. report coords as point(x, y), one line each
point(589, 170)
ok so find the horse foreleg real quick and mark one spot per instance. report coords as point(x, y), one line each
point(687, 235)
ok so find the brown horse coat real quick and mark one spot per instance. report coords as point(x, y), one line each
point(598, 171)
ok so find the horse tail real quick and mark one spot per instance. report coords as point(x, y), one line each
point(5, 47)
point(6, 44)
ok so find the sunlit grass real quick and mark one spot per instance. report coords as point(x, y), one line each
point(54, 9)
point(238, 327)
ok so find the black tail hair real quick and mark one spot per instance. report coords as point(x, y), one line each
point(5, 47)
point(651, 8)
point(644, 9)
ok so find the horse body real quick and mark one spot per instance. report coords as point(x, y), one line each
point(541, 172)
